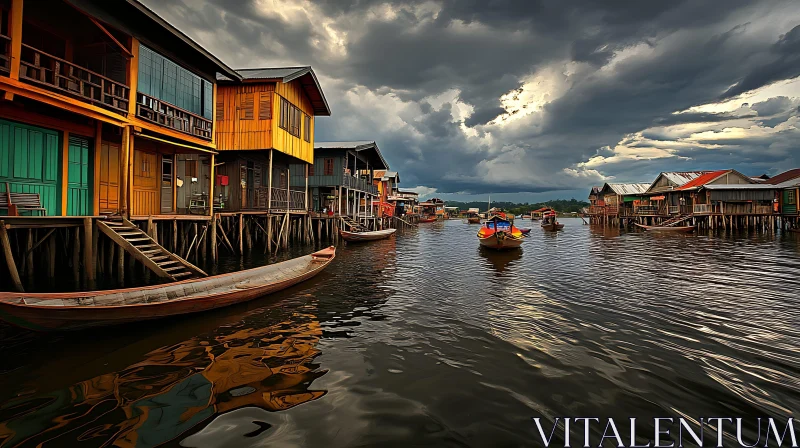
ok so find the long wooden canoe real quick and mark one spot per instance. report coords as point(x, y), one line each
point(553, 226)
point(366, 236)
point(676, 229)
point(75, 310)
point(427, 219)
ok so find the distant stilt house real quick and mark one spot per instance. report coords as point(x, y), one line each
point(404, 201)
point(386, 181)
point(727, 192)
point(108, 109)
point(621, 200)
point(341, 179)
point(265, 136)
point(787, 186)
point(665, 198)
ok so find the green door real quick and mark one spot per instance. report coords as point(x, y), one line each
point(29, 163)
point(79, 201)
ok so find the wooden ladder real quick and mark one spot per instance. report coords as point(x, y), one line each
point(143, 248)
point(354, 225)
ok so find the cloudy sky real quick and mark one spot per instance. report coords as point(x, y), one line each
point(532, 99)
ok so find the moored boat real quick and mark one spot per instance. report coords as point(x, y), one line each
point(675, 229)
point(525, 231)
point(366, 236)
point(550, 223)
point(75, 310)
point(427, 219)
point(498, 233)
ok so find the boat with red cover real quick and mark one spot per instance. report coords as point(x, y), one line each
point(498, 233)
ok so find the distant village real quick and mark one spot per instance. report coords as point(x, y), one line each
point(709, 199)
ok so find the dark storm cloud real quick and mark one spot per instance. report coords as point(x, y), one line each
point(785, 65)
point(401, 54)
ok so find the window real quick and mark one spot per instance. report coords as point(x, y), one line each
point(307, 128)
point(220, 110)
point(163, 79)
point(191, 168)
point(329, 167)
point(246, 105)
point(290, 118)
point(310, 169)
point(265, 105)
point(790, 199)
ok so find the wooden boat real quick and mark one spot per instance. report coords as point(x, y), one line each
point(525, 231)
point(474, 220)
point(366, 236)
point(676, 229)
point(549, 222)
point(75, 310)
point(526, 216)
point(498, 233)
point(427, 219)
point(553, 226)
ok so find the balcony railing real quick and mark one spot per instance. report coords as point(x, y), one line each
point(293, 201)
point(648, 210)
point(674, 209)
point(55, 73)
point(702, 209)
point(5, 53)
point(356, 183)
point(173, 117)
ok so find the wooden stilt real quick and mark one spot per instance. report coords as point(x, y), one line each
point(76, 255)
point(241, 225)
point(51, 257)
point(88, 256)
point(9, 256)
point(214, 252)
point(28, 255)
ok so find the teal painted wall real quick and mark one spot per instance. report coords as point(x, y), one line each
point(29, 163)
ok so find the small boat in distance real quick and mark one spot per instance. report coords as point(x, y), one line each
point(498, 233)
point(670, 229)
point(550, 223)
point(76, 310)
point(425, 219)
point(473, 218)
point(374, 235)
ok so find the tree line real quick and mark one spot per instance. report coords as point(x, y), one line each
point(559, 205)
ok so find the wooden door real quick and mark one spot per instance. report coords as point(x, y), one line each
point(30, 163)
point(167, 176)
point(145, 184)
point(109, 177)
point(79, 202)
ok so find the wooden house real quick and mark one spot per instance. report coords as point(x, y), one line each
point(106, 108)
point(621, 199)
point(386, 181)
point(341, 179)
point(664, 197)
point(728, 192)
point(404, 201)
point(265, 136)
point(787, 185)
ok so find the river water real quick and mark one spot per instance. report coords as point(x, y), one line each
point(426, 340)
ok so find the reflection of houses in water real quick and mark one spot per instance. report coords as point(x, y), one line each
point(176, 388)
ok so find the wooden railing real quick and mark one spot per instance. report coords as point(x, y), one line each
point(173, 117)
point(674, 209)
point(647, 210)
point(359, 184)
point(762, 209)
point(59, 74)
point(295, 200)
point(5, 53)
point(702, 208)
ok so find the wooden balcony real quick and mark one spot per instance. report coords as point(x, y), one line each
point(702, 209)
point(291, 200)
point(54, 73)
point(356, 183)
point(165, 114)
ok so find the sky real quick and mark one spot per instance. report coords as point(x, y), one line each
point(532, 100)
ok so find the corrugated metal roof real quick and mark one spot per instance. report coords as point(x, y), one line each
point(628, 189)
point(788, 184)
point(682, 177)
point(739, 187)
point(365, 145)
point(703, 179)
point(784, 176)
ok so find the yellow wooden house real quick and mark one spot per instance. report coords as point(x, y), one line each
point(265, 138)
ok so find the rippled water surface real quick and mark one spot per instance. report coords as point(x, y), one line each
point(425, 339)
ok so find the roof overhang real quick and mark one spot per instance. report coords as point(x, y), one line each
point(304, 75)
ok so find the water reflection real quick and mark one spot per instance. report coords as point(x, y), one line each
point(249, 364)
point(500, 260)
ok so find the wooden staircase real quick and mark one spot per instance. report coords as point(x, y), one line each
point(143, 248)
point(672, 222)
point(353, 225)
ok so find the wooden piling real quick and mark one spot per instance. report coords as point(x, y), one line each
point(9, 256)
point(88, 256)
point(214, 252)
